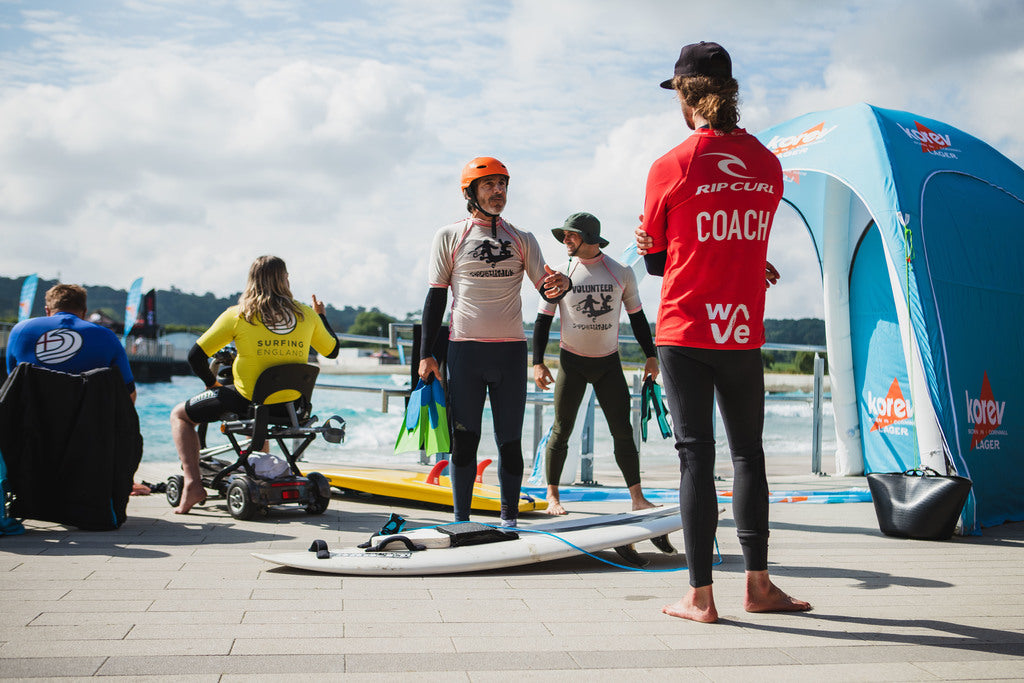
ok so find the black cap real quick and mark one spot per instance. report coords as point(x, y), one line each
point(586, 225)
point(702, 59)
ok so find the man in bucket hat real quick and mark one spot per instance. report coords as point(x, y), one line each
point(589, 351)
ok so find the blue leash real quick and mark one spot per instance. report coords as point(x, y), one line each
point(589, 554)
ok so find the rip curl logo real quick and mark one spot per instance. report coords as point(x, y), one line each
point(733, 332)
point(284, 325)
point(931, 142)
point(986, 415)
point(791, 145)
point(890, 409)
point(726, 163)
point(485, 251)
point(590, 307)
point(58, 346)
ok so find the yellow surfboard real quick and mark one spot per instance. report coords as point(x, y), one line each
point(426, 487)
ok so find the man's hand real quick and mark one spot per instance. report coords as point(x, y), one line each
point(555, 283)
point(771, 276)
point(542, 376)
point(428, 367)
point(643, 240)
point(651, 368)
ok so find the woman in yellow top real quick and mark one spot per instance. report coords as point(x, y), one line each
point(268, 327)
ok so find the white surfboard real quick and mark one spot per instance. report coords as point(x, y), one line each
point(393, 554)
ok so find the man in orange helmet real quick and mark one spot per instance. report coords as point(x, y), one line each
point(482, 259)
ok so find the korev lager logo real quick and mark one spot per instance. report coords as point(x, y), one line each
point(986, 416)
point(889, 410)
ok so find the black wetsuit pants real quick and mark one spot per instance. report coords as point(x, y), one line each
point(476, 370)
point(693, 377)
point(612, 394)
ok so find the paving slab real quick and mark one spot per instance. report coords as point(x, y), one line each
point(181, 596)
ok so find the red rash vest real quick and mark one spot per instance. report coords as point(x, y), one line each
point(710, 203)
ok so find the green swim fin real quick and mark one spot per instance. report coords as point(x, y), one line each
point(651, 402)
point(425, 426)
point(438, 436)
point(411, 432)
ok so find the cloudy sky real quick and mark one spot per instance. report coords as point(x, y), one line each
point(179, 139)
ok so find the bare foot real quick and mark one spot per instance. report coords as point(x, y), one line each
point(696, 605)
point(764, 596)
point(643, 504)
point(190, 496)
point(636, 494)
point(555, 508)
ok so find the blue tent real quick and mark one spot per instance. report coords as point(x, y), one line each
point(918, 229)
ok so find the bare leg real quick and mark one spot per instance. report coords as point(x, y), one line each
point(764, 596)
point(636, 494)
point(697, 605)
point(554, 504)
point(186, 441)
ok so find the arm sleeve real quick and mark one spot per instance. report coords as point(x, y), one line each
point(655, 263)
point(200, 364)
point(337, 344)
point(642, 332)
point(433, 314)
point(541, 333)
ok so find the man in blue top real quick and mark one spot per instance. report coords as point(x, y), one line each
point(63, 341)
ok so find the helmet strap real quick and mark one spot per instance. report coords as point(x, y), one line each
point(471, 191)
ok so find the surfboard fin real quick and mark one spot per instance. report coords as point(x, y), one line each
point(664, 545)
point(629, 554)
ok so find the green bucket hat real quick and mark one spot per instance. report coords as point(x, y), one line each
point(586, 225)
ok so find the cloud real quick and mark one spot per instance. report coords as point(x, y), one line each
point(179, 139)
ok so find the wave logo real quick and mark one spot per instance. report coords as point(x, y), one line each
point(986, 414)
point(733, 332)
point(929, 139)
point(783, 146)
point(285, 325)
point(890, 409)
point(727, 162)
point(57, 346)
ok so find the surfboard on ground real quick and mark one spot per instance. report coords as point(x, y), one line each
point(469, 546)
point(425, 487)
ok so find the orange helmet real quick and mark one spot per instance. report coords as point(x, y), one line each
point(480, 167)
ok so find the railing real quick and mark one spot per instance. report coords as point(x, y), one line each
point(396, 339)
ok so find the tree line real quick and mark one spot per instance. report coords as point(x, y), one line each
point(182, 311)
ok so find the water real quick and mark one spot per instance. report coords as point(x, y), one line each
point(371, 434)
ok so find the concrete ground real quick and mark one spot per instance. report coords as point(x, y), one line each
point(180, 596)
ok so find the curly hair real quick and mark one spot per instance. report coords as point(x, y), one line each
point(715, 99)
point(267, 297)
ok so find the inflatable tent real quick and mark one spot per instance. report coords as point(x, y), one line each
point(918, 229)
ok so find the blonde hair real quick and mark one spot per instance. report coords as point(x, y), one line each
point(66, 299)
point(267, 297)
point(715, 99)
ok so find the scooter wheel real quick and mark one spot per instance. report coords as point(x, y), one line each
point(240, 503)
point(175, 485)
point(318, 502)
